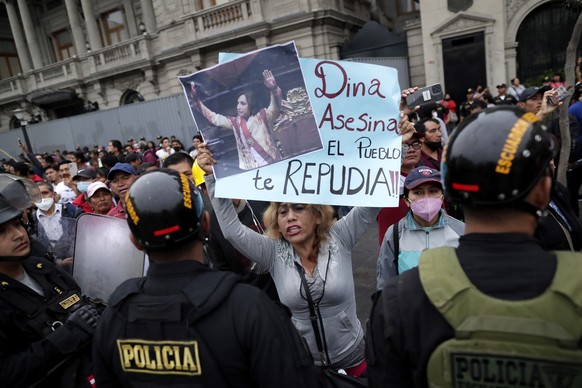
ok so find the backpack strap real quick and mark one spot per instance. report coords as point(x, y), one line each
point(553, 316)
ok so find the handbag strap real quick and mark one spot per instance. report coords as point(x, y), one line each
point(319, 335)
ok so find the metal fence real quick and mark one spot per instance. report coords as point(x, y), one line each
point(166, 116)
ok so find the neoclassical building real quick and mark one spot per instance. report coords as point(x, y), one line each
point(465, 43)
point(61, 58)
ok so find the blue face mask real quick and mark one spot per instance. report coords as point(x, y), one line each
point(83, 186)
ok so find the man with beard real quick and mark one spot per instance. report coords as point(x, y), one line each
point(431, 139)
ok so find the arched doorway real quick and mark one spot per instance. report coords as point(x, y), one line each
point(543, 37)
point(131, 97)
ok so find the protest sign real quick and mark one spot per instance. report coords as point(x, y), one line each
point(254, 110)
point(356, 108)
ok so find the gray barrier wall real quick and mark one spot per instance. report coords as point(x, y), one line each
point(166, 116)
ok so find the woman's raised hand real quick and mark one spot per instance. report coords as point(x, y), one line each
point(269, 79)
point(205, 159)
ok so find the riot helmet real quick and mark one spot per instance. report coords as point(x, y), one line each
point(163, 209)
point(495, 157)
point(7, 210)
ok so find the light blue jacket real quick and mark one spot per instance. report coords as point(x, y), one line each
point(413, 240)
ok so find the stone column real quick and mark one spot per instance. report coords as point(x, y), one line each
point(32, 42)
point(148, 15)
point(130, 18)
point(92, 28)
point(21, 47)
point(76, 29)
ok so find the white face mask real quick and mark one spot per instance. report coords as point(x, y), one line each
point(45, 204)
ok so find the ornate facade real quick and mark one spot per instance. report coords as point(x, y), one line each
point(64, 57)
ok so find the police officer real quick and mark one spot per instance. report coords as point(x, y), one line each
point(45, 327)
point(499, 310)
point(185, 324)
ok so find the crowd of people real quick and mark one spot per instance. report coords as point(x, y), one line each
point(248, 293)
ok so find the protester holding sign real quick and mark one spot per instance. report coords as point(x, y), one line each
point(303, 241)
point(255, 146)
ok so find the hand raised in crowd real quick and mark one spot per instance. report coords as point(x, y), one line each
point(547, 107)
point(23, 147)
point(404, 108)
point(269, 79)
point(406, 128)
point(205, 159)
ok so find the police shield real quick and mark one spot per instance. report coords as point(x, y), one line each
point(59, 241)
point(104, 255)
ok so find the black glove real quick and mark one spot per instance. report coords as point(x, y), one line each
point(84, 318)
point(77, 330)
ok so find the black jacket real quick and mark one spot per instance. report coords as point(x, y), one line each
point(560, 226)
point(225, 257)
point(400, 340)
point(238, 336)
point(29, 348)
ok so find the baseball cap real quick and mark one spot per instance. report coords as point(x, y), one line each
point(421, 175)
point(124, 167)
point(93, 187)
point(88, 172)
point(532, 91)
point(501, 86)
point(470, 91)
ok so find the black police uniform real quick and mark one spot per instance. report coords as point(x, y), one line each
point(225, 257)
point(187, 325)
point(404, 329)
point(33, 339)
point(508, 100)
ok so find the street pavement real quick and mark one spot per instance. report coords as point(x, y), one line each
point(364, 257)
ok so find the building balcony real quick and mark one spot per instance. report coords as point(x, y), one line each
point(126, 54)
point(12, 88)
point(77, 70)
point(216, 21)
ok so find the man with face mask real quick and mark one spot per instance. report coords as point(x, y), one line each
point(431, 139)
point(426, 225)
point(84, 178)
point(56, 223)
point(45, 324)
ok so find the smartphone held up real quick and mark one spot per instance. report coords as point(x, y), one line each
point(560, 94)
point(423, 96)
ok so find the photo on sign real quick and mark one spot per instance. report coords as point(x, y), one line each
point(253, 111)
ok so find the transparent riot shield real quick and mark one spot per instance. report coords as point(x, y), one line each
point(104, 255)
point(60, 241)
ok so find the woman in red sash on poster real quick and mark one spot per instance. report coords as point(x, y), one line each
point(255, 145)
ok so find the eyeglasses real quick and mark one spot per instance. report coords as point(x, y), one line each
point(415, 146)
